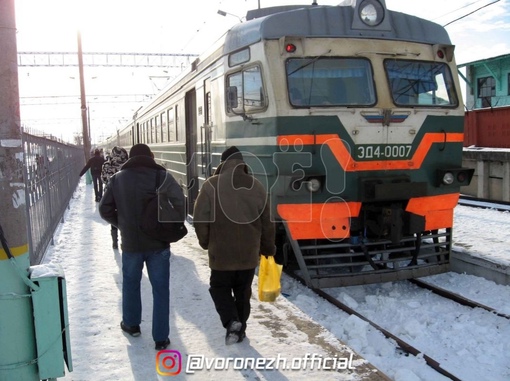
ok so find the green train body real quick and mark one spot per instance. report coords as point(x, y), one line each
point(352, 118)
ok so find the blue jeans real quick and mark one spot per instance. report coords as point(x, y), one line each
point(158, 268)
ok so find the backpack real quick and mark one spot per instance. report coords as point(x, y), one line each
point(156, 216)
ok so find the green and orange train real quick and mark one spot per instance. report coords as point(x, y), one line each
point(351, 116)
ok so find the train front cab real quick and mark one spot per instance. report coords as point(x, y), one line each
point(372, 193)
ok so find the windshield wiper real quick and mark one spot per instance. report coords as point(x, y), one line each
point(308, 63)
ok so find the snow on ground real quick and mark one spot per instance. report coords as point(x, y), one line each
point(483, 233)
point(100, 351)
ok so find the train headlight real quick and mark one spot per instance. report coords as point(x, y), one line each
point(448, 178)
point(454, 176)
point(313, 185)
point(371, 12)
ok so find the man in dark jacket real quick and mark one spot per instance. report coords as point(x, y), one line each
point(127, 193)
point(95, 164)
point(232, 221)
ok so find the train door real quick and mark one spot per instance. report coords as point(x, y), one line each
point(191, 144)
point(206, 133)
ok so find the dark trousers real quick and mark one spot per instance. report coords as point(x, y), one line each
point(98, 186)
point(231, 293)
point(115, 234)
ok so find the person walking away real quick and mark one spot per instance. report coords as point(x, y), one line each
point(232, 221)
point(95, 163)
point(122, 206)
point(112, 165)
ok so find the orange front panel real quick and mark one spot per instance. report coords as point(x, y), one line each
point(437, 210)
point(317, 221)
point(439, 219)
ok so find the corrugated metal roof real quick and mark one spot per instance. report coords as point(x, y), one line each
point(484, 60)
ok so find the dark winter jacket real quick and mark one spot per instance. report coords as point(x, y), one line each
point(232, 219)
point(127, 193)
point(113, 163)
point(95, 164)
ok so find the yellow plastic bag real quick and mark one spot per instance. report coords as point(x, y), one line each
point(269, 279)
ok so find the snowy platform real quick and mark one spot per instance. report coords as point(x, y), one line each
point(282, 342)
point(480, 243)
point(484, 267)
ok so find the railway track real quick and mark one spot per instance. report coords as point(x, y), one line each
point(486, 204)
point(403, 344)
point(456, 297)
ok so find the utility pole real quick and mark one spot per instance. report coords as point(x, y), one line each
point(86, 135)
point(17, 344)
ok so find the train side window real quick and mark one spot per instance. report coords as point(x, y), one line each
point(420, 83)
point(177, 117)
point(208, 109)
point(157, 130)
point(171, 125)
point(239, 57)
point(245, 91)
point(164, 127)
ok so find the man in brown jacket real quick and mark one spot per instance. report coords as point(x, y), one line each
point(232, 221)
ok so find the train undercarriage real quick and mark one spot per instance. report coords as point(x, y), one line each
point(383, 246)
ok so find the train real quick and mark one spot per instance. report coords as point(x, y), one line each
point(351, 116)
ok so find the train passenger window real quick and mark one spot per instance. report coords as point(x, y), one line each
point(247, 86)
point(153, 131)
point(326, 82)
point(208, 109)
point(418, 83)
point(171, 125)
point(164, 128)
point(157, 130)
point(177, 117)
point(239, 57)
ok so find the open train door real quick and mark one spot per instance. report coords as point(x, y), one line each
point(191, 144)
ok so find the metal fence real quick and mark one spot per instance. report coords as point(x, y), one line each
point(51, 171)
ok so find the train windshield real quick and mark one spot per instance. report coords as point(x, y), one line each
point(417, 83)
point(323, 82)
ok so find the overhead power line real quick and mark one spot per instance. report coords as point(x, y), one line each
point(470, 13)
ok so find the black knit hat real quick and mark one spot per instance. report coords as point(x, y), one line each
point(140, 150)
point(231, 153)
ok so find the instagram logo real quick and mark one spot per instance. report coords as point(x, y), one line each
point(168, 363)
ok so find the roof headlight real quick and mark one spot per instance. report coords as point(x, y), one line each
point(371, 12)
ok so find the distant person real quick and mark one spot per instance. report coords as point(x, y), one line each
point(122, 204)
point(232, 221)
point(95, 164)
point(112, 165)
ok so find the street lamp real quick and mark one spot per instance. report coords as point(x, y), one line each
point(223, 13)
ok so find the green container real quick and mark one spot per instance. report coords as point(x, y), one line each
point(51, 321)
